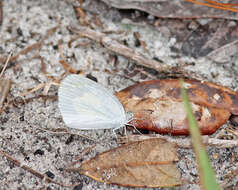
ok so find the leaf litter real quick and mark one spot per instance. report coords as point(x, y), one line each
point(157, 105)
point(147, 163)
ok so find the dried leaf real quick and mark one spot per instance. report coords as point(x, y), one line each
point(147, 163)
point(157, 105)
point(217, 40)
point(196, 40)
point(172, 9)
point(224, 53)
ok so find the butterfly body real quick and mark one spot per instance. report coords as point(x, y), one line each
point(85, 104)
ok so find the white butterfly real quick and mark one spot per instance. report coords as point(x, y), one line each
point(85, 104)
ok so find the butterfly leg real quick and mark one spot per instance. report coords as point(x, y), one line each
point(115, 130)
point(135, 129)
point(114, 133)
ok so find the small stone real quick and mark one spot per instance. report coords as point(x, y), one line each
point(232, 24)
point(78, 187)
point(55, 47)
point(69, 140)
point(19, 31)
point(22, 118)
point(39, 152)
point(50, 174)
point(89, 76)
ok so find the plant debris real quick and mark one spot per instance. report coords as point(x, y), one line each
point(182, 142)
point(147, 163)
point(157, 105)
point(179, 9)
point(5, 84)
point(123, 50)
point(30, 170)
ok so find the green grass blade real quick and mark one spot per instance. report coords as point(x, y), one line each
point(206, 173)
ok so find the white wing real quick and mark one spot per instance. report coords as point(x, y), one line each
point(84, 104)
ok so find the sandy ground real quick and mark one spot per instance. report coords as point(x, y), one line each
point(25, 126)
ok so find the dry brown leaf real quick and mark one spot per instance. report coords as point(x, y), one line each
point(223, 54)
point(172, 9)
point(157, 105)
point(147, 163)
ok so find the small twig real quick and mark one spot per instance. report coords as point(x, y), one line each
point(5, 84)
point(43, 67)
point(183, 142)
point(46, 85)
point(121, 49)
point(80, 44)
point(5, 66)
point(234, 132)
point(81, 15)
point(66, 132)
point(64, 63)
point(36, 45)
point(72, 40)
point(98, 22)
point(142, 43)
point(38, 87)
point(44, 97)
point(67, 67)
point(27, 100)
point(34, 172)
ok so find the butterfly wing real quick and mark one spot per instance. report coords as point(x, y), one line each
point(85, 104)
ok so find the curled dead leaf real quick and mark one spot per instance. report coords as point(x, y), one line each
point(147, 163)
point(157, 105)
